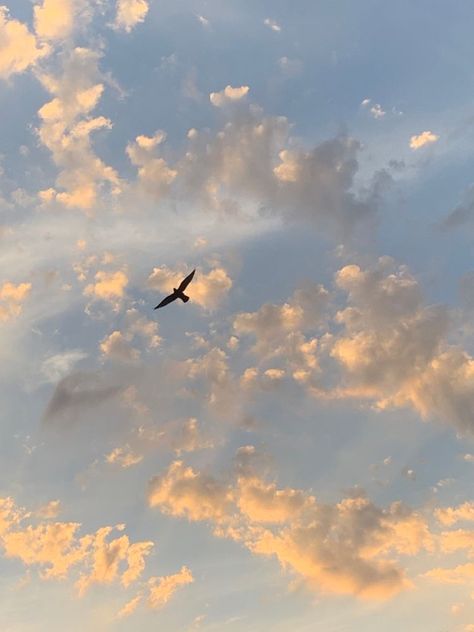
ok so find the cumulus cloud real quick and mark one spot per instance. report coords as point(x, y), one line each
point(343, 548)
point(11, 298)
point(108, 286)
point(57, 549)
point(393, 347)
point(450, 515)
point(66, 128)
point(154, 174)
point(253, 163)
point(183, 492)
point(116, 346)
point(420, 140)
point(206, 290)
point(54, 19)
point(130, 13)
point(228, 95)
point(19, 49)
point(277, 329)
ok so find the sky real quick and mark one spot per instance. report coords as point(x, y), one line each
point(292, 449)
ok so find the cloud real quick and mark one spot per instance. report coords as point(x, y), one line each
point(108, 286)
point(130, 607)
point(189, 438)
point(183, 492)
point(107, 560)
point(116, 346)
point(450, 515)
point(57, 549)
point(393, 347)
point(162, 589)
point(425, 138)
point(66, 128)
point(19, 49)
point(274, 26)
point(278, 329)
point(54, 19)
point(462, 574)
point(252, 163)
point(154, 175)
point(375, 109)
point(228, 95)
point(59, 365)
point(130, 13)
point(50, 510)
point(343, 548)
point(124, 457)
point(206, 290)
point(11, 298)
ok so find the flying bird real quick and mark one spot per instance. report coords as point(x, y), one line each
point(178, 293)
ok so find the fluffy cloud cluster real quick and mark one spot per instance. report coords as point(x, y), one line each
point(228, 95)
point(19, 48)
point(279, 330)
point(206, 290)
point(252, 163)
point(66, 130)
point(384, 345)
point(11, 299)
point(130, 13)
point(393, 348)
point(56, 549)
point(348, 547)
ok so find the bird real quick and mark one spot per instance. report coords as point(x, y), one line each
point(178, 293)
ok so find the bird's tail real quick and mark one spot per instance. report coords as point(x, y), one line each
point(184, 298)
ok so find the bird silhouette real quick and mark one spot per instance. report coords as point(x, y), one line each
point(178, 293)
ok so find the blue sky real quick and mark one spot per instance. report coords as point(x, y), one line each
point(293, 448)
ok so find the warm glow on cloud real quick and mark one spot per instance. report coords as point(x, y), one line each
point(163, 588)
point(18, 47)
point(11, 299)
point(420, 140)
point(228, 95)
point(109, 286)
point(206, 290)
point(54, 19)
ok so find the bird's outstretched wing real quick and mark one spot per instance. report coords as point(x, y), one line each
point(184, 284)
point(166, 301)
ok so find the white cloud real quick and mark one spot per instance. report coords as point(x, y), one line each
point(59, 365)
point(272, 24)
point(130, 13)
